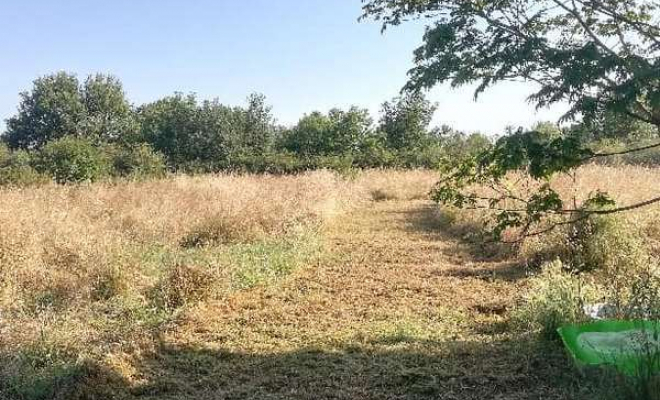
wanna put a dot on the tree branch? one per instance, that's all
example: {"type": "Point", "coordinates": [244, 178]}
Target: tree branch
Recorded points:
{"type": "Point", "coordinates": [623, 152]}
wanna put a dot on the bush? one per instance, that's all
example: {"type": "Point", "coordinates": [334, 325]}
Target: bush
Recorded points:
{"type": "Point", "coordinates": [606, 243]}
{"type": "Point", "coordinates": [72, 159]}
{"type": "Point", "coordinates": [556, 297]}
{"type": "Point", "coordinates": [138, 161]}
{"type": "Point", "coordinates": [600, 243]}
{"type": "Point", "coordinates": [16, 169]}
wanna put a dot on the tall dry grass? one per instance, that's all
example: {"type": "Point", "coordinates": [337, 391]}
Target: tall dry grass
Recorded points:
{"type": "Point", "coordinates": [92, 271]}
{"type": "Point", "coordinates": [625, 184]}
{"type": "Point", "coordinates": [384, 185]}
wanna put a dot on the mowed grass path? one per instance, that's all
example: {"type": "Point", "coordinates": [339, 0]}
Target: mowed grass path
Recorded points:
{"type": "Point", "coordinates": [400, 310]}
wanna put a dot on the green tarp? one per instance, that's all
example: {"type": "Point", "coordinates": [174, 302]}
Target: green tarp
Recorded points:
{"type": "Point", "coordinates": [626, 345]}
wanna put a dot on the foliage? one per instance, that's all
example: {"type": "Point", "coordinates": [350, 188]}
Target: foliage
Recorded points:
{"type": "Point", "coordinates": [610, 126]}
{"type": "Point", "coordinates": [602, 58]}
{"type": "Point", "coordinates": [541, 156]}
{"type": "Point", "coordinates": [170, 126]}
{"type": "Point", "coordinates": [109, 116]}
{"type": "Point", "coordinates": [194, 136]}
{"type": "Point", "coordinates": [405, 120]}
{"type": "Point", "coordinates": [555, 297]}
{"type": "Point", "coordinates": [52, 109]}
{"type": "Point", "coordinates": [258, 131]}
{"type": "Point", "coordinates": [337, 133]}
{"type": "Point", "coordinates": [138, 161]}
{"type": "Point", "coordinates": [457, 145]}
{"type": "Point", "coordinates": [597, 55]}
{"type": "Point", "coordinates": [58, 106]}
{"type": "Point", "coordinates": [206, 136]}
{"type": "Point", "coordinates": [71, 159]}
{"type": "Point", "coordinates": [16, 169]}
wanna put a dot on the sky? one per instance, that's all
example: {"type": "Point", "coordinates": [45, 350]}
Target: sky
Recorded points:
{"type": "Point", "coordinates": [304, 55]}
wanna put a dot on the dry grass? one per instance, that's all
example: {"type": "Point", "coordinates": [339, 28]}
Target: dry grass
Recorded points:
{"type": "Point", "coordinates": [626, 184]}
{"type": "Point", "coordinates": [239, 287]}
{"type": "Point", "coordinates": [91, 271]}
{"type": "Point", "coordinates": [387, 185]}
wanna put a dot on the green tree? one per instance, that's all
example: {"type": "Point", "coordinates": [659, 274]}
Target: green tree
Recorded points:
{"type": "Point", "coordinates": [310, 136]}
{"type": "Point", "coordinates": [170, 126]}
{"type": "Point", "coordinates": [206, 136]}
{"type": "Point", "coordinates": [59, 106]}
{"type": "Point", "coordinates": [349, 129]}
{"type": "Point", "coordinates": [258, 131]}
{"type": "Point", "coordinates": [109, 116]}
{"type": "Point", "coordinates": [337, 133]}
{"type": "Point", "coordinates": [406, 119]}
{"type": "Point", "coordinates": [615, 127]}
{"type": "Point", "coordinates": [597, 56]}
{"type": "Point", "coordinates": [52, 109]}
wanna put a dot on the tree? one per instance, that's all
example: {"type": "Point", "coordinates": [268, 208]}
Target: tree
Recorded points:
{"type": "Point", "coordinates": [310, 135]}
{"type": "Point", "coordinates": [109, 116]}
{"type": "Point", "coordinates": [206, 136]}
{"type": "Point", "coordinates": [52, 109]}
{"type": "Point", "coordinates": [617, 127]}
{"type": "Point", "coordinates": [337, 133]}
{"type": "Point", "coordinates": [171, 126]}
{"type": "Point", "coordinates": [349, 129]}
{"type": "Point", "coordinates": [598, 56]}
{"type": "Point", "coordinates": [59, 106]}
{"type": "Point", "coordinates": [259, 132]}
{"type": "Point", "coordinates": [406, 119]}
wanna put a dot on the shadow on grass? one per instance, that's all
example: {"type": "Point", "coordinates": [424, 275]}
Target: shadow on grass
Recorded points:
{"type": "Point", "coordinates": [470, 238]}
{"type": "Point", "coordinates": [418, 370]}
{"type": "Point", "coordinates": [47, 378]}
{"type": "Point", "coordinates": [403, 369]}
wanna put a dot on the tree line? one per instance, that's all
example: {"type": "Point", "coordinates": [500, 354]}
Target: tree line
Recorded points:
{"type": "Point", "coordinates": [76, 131]}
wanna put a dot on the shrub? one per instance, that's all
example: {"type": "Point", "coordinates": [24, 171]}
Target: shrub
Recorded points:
{"type": "Point", "coordinates": [16, 169]}
{"type": "Point", "coordinates": [373, 153]}
{"type": "Point", "coordinates": [72, 159]}
{"type": "Point", "coordinates": [606, 243]}
{"type": "Point", "coordinates": [138, 161]}
{"type": "Point", "coordinates": [556, 297]}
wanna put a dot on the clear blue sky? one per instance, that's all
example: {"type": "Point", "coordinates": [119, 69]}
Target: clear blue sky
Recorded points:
{"type": "Point", "coordinates": [303, 55]}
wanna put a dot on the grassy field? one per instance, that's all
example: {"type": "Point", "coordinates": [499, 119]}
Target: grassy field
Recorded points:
{"type": "Point", "coordinates": [239, 287]}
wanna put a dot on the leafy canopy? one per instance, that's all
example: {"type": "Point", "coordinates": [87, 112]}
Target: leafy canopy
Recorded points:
{"type": "Point", "coordinates": [596, 55]}
{"type": "Point", "coordinates": [406, 119]}
{"type": "Point", "coordinates": [337, 133]}
{"type": "Point", "coordinates": [601, 57]}
{"type": "Point", "coordinates": [58, 105]}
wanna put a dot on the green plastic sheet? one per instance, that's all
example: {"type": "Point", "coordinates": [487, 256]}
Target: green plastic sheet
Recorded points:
{"type": "Point", "coordinates": [629, 346]}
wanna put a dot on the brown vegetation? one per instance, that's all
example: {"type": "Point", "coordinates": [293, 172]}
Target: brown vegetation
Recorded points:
{"type": "Point", "coordinates": [313, 286]}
